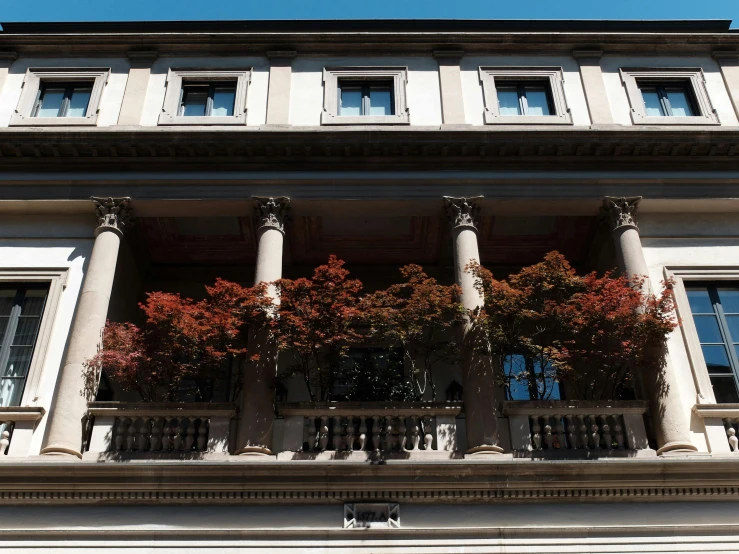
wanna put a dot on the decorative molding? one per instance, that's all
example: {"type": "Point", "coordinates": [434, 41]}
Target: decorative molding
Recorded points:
{"type": "Point", "coordinates": [716, 410]}
{"type": "Point", "coordinates": [594, 55]}
{"type": "Point", "coordinates": [142, 58]}
{"type": "Point", "coordinates": [621, 211]}
{"type": "Point", "coordinates": [463, 212]}
{"type": "Point", "coordinates": [375, 515]}
{"type": "Point", "coordinates": [21, 413]}
{"type": "Point", "coordinates": [272, 213]}
{"type": "Point", "coordinates": [113, 213]}
{"type": "Point", "coordinates": [7, 58]}
{"type": "Point", "coordinates": [157, 409]}
{"type": "Point", "coordinates": [630, 77]}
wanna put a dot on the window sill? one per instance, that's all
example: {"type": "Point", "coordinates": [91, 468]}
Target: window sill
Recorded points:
{"type": "Point", "coordinates": [494, 119]}
{"type": "Point", "coordinates": [328, 119]}
{"type": "Point", "coordinates": [637, 119]}
{"type": "Point", "coordinates": [166, 119]}
{"type": "Point", "coordinates": [20, 121]}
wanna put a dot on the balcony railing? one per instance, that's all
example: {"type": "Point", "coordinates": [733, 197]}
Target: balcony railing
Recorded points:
{"type": "Point", "coordinates": [159, 429]}
{"type": "Point", "coordinates": [349, 429]}
{"type": "Point", "coordinates": [578, 428]}
{"type": "Point", "coordinates": [722, 426]}
{"type": "Point", "coordinates": [16, 429]}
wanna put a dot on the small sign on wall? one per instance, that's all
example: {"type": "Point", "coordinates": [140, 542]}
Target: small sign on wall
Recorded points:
{"type": "Point", "coordinates": [376, 515]}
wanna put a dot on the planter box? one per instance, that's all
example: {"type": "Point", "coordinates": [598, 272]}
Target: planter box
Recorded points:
{"type": "Point", "coordinates": [566, 428]}
{"type": "Point", "coordinates": [167, 430]}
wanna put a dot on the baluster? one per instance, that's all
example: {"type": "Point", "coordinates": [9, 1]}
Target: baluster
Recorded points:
{"type": "Point", "coordinates": [144, 432]}
{"type": "Point", "coordinates": [606, 432]}
{"type": "Point", "coordinates": [376, 433]}
{"type": "Point", "coordinates": [190, 437]}
{"type": "Point", "coordinates": [618, 432]}
{"type": "Point", "coordinates": [415, 435]}
{"type": "Point", "coordinates": [428, 438]}
{"type": "Point", "coordinates": [177, 433]}
{"type": "Point", "coordinates": [548, 438]}
{"type": "Point", "coordinates": [402, 430]}
{"type": "Point", "coordinates": [131, 437]}
{"type": "Point", "coordinates": [323, 441]}
{"type": "Point", "coordinates": [167, 435]}
{"type": "Point", "coordinates": [4, 436]}
{"type": "Point", "coordinates": [338, 435]}
{"type": "Point", "coordinates": [120, 430]}
{"type": "Point", "coordinates": [350, 433]}
{"type": "Point", "coordinates": [312, 433]}
{"type": "Point", "coordinates": [571, 437]}
{"type": "Point", "coordinates": [535, 432]}
{"type": "Point", "coordinates": [559, 430]}
{"type": "Point", "coordinates": [731, 435]}
{"type": "Point", "coordinates": [594, 432]}
{"type": "Point", "coordinates": [362, 432]}
{"type": "Point", "coordinates": [583, 432]}
{"type": "Point", "coordinates": [202, 439]}
{"type": "Point", "coordinates": [155, 443]}
{"type": "Point", "coordinates": [389, 430]}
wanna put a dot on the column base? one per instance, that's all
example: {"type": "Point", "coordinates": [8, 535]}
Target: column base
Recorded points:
{"type": "Point", "coordinates": [61, 451]}
{"type": "Point", "coordinates": [483, 450]}
{"type": "Point", "coordinates": [676, 448]}
{"type": "Point", "coordinates": [254, 451]}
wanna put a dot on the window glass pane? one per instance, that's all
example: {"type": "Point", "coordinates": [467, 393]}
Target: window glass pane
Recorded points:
{"type": "Point", "coordinates": [679, 103]}
{"type": "Point", "coordinates": [33, 302]}
{"type": "Point", "coordinates": [380, 101]}
{"type": "Point", "coordinates": [51, 102]}
{"type": "Point", "coordinates": [508, 103]}
{"type": "Point", "coordinates": [729, 298]}
{"type": "Point", "coordinates": [700, 301]}
{"type": "Point", "coordinates": [7, 299]}
{"type": "Point", "coordinates": [537, 101]}
{"type": "Point", "coordinates": [79, 101]}
{"type": "Point", "coordinates": [708, 330]}
{"type": "Point", "coordinates": [18, 361]}
{"type": "Point", "coordinates": [716, 359]}
{"type": "Point", "coordinates": [25, 331]}
{"type": "Point", "coordinates": [3, 327]}
{"type": "Point", "coordinates": [194, 102]}
{"type": "Point", "coordinates": [11, 391]}
{"type": "Point", "coordinates": [652, 104]}
{"type": "Point", "coordinates": [733, 324]}
{"type": "Point", "coordinates": [350, 102]}
{"type": "Point", "coordinates": [223, 101]}
{"type": "Point", "coordinates": [724, 389]}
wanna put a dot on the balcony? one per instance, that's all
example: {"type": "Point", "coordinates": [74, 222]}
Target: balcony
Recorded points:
{"type": "Point", "coordinates": [16, 429]}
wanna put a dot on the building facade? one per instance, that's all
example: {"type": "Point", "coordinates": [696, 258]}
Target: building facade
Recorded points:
{"type": "Point", "coordinates": [159, 156]}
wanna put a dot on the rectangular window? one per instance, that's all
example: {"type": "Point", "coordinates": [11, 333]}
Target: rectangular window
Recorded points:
{"type": "Point", "coordinates": [21, 309]}
{"type": "Point", "coordinates": [63, 100]}
{"type": "Point", "coordinates": [366, 99]}
{"type": "Point", "coordinates": [525, 98]}
{"type": "Point", "coordinates": [667, 100]}
{"type": "Point", "coordinates": [715, 309]}
{"type": "Point", "coordinates": [207, 99]}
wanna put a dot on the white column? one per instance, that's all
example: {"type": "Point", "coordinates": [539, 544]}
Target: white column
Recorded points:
{"type": "Point", "coordinates": [480, 392]}
{"type": "Point", "coordinates": [68, 412]}
{"type": "Point", "coordinates": [257, 401]}
{"type": "Point", "coordinates": [661, 388]}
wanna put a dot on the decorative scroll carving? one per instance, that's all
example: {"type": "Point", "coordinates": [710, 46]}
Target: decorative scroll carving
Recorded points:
{"type": "Point", "coordinates": [621, 211]}
{"type": "Point", "coordinates": [462, 212]}
{"type": "Point", "coordinates": [113, 213]}
{"type": "Point", "coordinates": [272, 212]}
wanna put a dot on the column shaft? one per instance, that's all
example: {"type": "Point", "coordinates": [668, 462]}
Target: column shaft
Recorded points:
{"type": "Point", "coordinates": [661, 387]}
{"type": "Point", "coordinates": [70, 405]}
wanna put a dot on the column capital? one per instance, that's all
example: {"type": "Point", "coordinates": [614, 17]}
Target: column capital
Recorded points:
{"type": "Point", "coordinates": [272, 212]}
{"type": "Point", "coordinates": [462, 212]}
{"type": "Point", "coordinates": [113, 214]}
{"type": "Point", "coordinates": [620, 211]}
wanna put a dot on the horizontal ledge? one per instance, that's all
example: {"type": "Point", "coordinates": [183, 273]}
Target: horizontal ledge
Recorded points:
{"type": "Point", "coordinates": [370, 408]}
{"type": "Point", "coordinates": [716, 410]}
{"type": "Point", "coordinates": [573, 407]}
{"type": "Point", "coordinates": [21, 413]}
{"type": "Point", "coordinates": [156, 409]}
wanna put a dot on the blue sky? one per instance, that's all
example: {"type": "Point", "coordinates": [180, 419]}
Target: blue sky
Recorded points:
{"type": "Point", "coordinates": [121, 10]}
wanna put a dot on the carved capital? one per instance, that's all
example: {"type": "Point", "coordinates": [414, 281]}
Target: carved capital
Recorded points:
{"type": "Point", "coordinates": [621, 211]}
{"type": "Point", "coordinates": [272, 212]}
{"type": "Point", "coordinates": [462, 212]}
{"type": "Point", "coordinates": [113, 214]}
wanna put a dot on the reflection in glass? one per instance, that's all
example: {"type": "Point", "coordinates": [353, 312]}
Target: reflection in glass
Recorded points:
{"type": "Point", "coordinates": [380, 101]}
{"type": "Point", "coordinates": [716, 358]}
{"type": "Point", "coordinates": [729, 298]}
{"type": "Point", "coordinates": [652, 103]}
{"type": "Point", "coordinates": [223, 101]}
{"type": "Point", "coordinates": [508, 103]}
{"type": "Point", "coordinates": [708, 329]}
{"type": "Point", "coordinates": [700, 301]}
{"type": "Point", "coordinates": [78, 101]}
{"type": "Point", "coordinates": [537, 101]}
{"type": "Point", "coordinates": [351, 101]}
{"type": "Point", "coordinates": [679, 103]}
{"type": "Point", "coordinates": [51, 102]}
{"type": "Point", "coordinates": [724, 389]}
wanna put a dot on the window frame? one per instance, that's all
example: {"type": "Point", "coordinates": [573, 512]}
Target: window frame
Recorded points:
{"type": "Point", "coordinates": [174, 88]}
{"type": "Point", "coordinates": [57, 282]}
{"type": "Point", "coordinates": [691, 78]}
{"type": "Point", "coordinates": [365, 88]}
{"type": "Point", "coordinates": [37, 77]}
{"type": "Point", "coordinates": [212, 86]}
{"type": "Point", "coordinates": [493, 77]}
{"type": "Point", "coordinates": [397, 76]}
{"type": "Point", "coordinates": [66, 99]}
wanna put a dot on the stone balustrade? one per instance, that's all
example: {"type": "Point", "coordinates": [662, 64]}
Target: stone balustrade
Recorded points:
{"type": "Point", "coordinates": [722, 427]}
{"type": "Point", "coordinates": [370, 427]}
{"type": "Point", "coordinates": [159, 429]}
{"type": "Point", "coordinates": [575, 427]}
{"type": "Point", "coordinates": [16, 429]}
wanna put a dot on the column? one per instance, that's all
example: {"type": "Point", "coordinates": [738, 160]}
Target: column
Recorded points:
{"type": "Point", "coordinates": [450, 82]}
{"type": "Point", "coordinates": [480, 393]}
{"type": "Point", "coordinates": [68, 413]}
{"type": "Point", "coordinates": [6, 60]}
{"type": "Point", "coordinates": [257, 401]}
{"type": "Point", "coordinates": [661, 388]}
{"type": "Point", "coordinates": [729, 64]}
{"type": "Point", "coordinates": [280, 80]}
{"type": "Point", "coordinates": [136, 86]}
{"type": "Point", "coordinates": [595, 88]}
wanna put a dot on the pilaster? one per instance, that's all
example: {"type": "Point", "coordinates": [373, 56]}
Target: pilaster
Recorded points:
{"type": "Point", "coordinates": [729, 64]}
{"type": "Point", "coordinates": [6, 60]}
{"type": "Point", "coordinates": [280, 82]}
{"type": "Point", "coordinates": [595, 89]}
{"type": "Point", "coordinates": [136, 87]}
{"type": "Point", "coordinates": [450, 82]}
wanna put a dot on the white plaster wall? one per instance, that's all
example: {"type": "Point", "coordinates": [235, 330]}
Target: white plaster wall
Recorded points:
{"type": "Point", "coordinates": [423, 92]}
{"type": "Point", "coordinates": [48, 243]}
{"type": "Point", "coordinates": [474, 102]}
{"type": "Point", "coordinates": [688, 240]}
{"type": "Point", "coordinates": [256, 94]}
{"type": "Point", "coordinates": [110, 101]}
{"type": "Point", "coordinates": [619, 101]}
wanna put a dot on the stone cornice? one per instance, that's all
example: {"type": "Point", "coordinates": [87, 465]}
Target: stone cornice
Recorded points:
{"type": "Point", "coordinates": [463, 146]}
{"type": "Point", "coordinates": [456, 481]}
